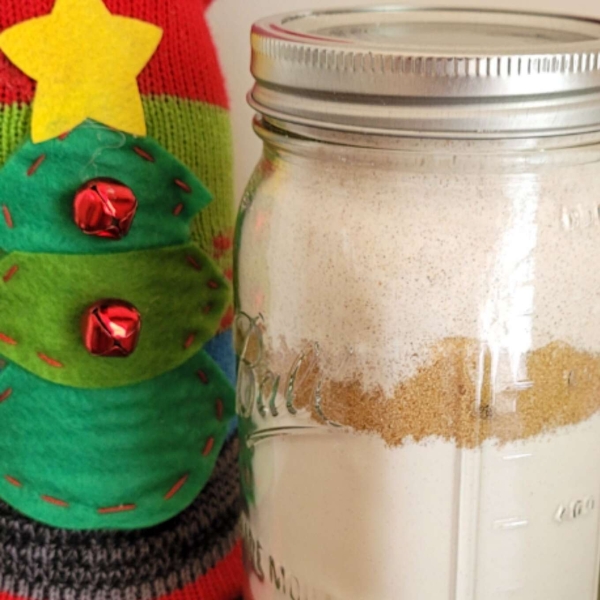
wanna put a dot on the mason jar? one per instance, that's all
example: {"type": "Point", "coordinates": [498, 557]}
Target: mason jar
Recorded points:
{"type": "Point", "coordinates": [418, 307]}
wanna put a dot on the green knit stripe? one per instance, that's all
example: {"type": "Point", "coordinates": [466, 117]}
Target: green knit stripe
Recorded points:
{"type": "Point", "coordinates": [197, 133]}
{"type": "Point", "coordinates": [15, 121]}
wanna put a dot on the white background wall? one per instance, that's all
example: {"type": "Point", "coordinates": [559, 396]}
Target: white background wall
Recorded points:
{"type": "Point", "coordinates": [231, 21]}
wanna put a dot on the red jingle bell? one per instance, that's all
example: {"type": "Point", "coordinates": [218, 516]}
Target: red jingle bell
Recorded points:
{"type": "Point", "coordinates": [111, 328]}
{"type": "Point", "coordinates": [104, 208]}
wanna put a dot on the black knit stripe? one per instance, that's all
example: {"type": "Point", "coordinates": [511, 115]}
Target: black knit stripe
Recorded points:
{"type": "Point", "coordinates": [43, 563]}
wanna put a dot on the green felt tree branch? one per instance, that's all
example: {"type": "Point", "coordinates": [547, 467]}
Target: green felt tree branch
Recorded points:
{"type": "Point", "coordinates": [124, 457]}
{"type": "Point", "coordinates": [179, 292]}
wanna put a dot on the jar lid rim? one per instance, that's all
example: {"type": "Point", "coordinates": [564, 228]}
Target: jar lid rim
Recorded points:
{"type": "Point", "coordinates": [397, 58]}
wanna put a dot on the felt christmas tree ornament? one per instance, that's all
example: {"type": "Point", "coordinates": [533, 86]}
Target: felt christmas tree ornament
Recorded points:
{"type": "Point", "coordinates": [116, 397]}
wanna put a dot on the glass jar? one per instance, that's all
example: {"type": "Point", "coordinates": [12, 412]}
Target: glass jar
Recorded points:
{"type": "Point", "coordinates": [418, 308]}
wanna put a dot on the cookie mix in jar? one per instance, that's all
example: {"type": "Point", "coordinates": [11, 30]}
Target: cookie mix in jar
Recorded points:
{"type": "Point", "coordinates": [418, 307]}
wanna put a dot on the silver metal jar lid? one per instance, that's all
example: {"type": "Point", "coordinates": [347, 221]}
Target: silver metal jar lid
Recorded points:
{"type": "Point", "coordinates": [458, 72]}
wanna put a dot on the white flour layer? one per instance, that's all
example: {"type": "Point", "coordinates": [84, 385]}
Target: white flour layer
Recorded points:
{"type": "Point", "coordinates": [349, 518]}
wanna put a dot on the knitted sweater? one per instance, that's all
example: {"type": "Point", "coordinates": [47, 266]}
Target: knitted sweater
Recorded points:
{"type": "Point", "coordinates": [195, 554]}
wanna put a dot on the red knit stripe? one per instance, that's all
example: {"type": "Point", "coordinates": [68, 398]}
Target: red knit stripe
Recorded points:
{"type": "Point", "coordinates": [224, 582]}
{"type": "Point", "coordinates": [184, 65]}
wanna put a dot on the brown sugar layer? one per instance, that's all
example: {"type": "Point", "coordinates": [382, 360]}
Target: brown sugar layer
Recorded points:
{"type": "Point", "coordinates": [462, 393]}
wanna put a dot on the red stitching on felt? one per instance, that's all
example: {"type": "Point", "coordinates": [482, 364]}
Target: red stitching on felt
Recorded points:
{"type": "Point", "coordinates": [220, 409]}
{"type": "Point", "coordinates": [194, 263]}
{"type": "Point", "coordinates": [210, 444]}
{"type": "Point", "coordinates": [145, 155]}
{"type": "Point", "coordinates": [183, 185]}
{"type": "Point", "coordinates": [229, 274]}
{"type": "Point", "coordinates": [63, 136]}
{"type": "Point", "coordinates": [109, 510]}
{"type": "Point", "coordinates": [5, 395]}
{"type": "Point", "coordinates": [36, 165]}
{"type": "Point", "coordinates": [7, 216]}
{"type": "Point", "coordinates": [189, 341]}
{"type": "Point", "coordinates": [50, 361]}
{"type": "Point", "coordinates": [13, 481]}
{"type": "Point", "coordinates": [177, 210]}
{"type": "Point", "coordinates": [176, 487]}
{"type": "Point", "coordinates": [10, 273]}
{"type": "Point", "coordinates": [203, 377]}
{"type": "Point", "coordinates": [213, 285]}
{"type": "Point", "coordinates": [7, 340]}
{"type": "Point", "coordinates": [55, 501]}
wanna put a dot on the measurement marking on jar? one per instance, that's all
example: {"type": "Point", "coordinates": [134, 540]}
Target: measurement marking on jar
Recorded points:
{"type": "Point", "coordinates": [517, 456]}
{"type": "Point", "coordinates": [574, 510]}
{"type": "Point", "coordinates": [511, 523]}
{"type": "Point", "coordinates": [520, 386]}
{"type": "Point", "coordinates": [580, 217]}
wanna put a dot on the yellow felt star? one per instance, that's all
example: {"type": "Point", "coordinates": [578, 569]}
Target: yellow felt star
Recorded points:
{"type": "Point", "coordinates": [86, 62]}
